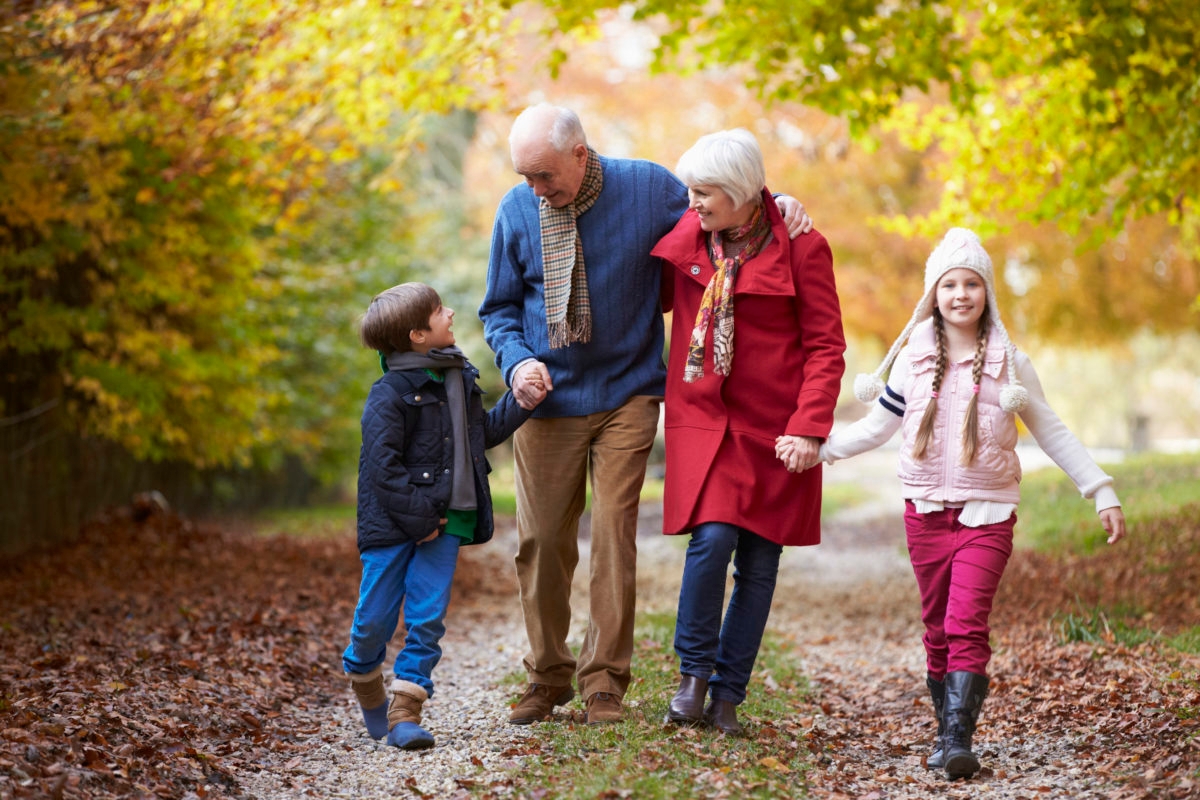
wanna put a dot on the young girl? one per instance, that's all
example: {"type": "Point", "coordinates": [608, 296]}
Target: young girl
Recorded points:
{"type": "Point", "coordinates": [954, 390]}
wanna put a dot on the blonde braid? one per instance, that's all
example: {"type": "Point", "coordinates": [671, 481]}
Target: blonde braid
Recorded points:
{"type": "Point", "coordinates": [925, 430]}
{"type": "Point", "coordinates": [971, 423]}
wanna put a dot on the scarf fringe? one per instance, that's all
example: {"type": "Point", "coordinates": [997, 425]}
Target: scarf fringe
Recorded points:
{"type": "Point", "coordinates": [563, 333]}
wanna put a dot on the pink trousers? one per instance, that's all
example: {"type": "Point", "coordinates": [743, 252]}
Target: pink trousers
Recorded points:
{"type": "Point", "coordinates": [958, 570]}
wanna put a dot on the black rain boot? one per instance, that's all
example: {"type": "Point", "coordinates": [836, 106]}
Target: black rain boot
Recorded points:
{"type": "Point", "coordinates": [937, 693]}
{"type": "Point", "coordinates": [964, 699]}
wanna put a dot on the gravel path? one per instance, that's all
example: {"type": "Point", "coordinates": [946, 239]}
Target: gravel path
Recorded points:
{"type": "Point", "coordinates": [468, 714]}
{"type": "Point", "coordinates": [850, 606]}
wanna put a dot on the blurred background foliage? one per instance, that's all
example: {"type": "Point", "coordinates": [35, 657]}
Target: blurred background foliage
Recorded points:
{"type": "Point", "coordinates": [198, 199]}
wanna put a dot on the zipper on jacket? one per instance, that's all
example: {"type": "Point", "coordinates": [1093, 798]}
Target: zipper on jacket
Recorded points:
{"type": "Point", "coordinates": [950, 461]}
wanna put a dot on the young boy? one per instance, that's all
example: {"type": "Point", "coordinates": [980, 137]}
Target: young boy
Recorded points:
{"type": "Point", "coordinates": [422, 492]}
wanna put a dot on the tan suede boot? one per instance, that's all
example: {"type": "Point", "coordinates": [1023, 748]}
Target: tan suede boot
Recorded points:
{"type": "Point", "coordinates": [372, 697]}
{"type": "Point", "coordinates": [404, 716]}
{"type": "Point", "coordinates": [407, 699]}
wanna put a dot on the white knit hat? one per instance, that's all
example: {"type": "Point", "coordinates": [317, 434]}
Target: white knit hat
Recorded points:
{"type": "Point", "coordinates": [960, 248]}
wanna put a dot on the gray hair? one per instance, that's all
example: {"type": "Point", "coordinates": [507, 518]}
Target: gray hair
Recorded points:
{"type": "Point", "coordinates": [730, 160]}
{"type": "Point", "coordinates": [565, 130]}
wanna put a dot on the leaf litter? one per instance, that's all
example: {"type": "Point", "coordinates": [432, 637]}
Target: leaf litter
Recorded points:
{"type": "Point", "coordinates": [166, 658]}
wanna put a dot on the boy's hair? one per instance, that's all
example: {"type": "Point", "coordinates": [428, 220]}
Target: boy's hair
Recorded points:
{"type": "Point", "coordinates": [396, 312]}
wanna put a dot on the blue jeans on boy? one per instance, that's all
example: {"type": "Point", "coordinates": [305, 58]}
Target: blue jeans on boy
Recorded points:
{"type": "Point", "coordinates": [419, 577]}
{"type": "Point", "coordinates": [724, 654]}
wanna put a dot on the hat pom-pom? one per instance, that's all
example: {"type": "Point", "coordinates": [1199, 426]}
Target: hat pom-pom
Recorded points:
{"type": "Point", "coordinates": [1014, 397]}
{"type": "Point", "coordinates": [867, 387]}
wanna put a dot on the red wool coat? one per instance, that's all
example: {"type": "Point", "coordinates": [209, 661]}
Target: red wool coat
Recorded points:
{"type": "Point", "coordinates": [787, 368]}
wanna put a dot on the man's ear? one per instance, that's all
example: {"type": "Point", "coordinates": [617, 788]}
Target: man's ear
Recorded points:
{"type": "Point", "coordinates": [580, 152]}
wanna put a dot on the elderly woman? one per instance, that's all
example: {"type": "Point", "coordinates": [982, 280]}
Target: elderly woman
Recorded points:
{"type": "Point", "coordinates": [729, 268]}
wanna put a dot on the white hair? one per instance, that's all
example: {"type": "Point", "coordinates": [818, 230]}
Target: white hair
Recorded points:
{"type": "Point", "coordinates": [730, 160]}
{"type": "Point", "coordinates": [565, 130]}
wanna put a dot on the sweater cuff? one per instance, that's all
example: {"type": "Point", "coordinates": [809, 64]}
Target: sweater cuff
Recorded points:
{"type": "Point", "coordinates": [1106, 497]}
{"type": "Point", "coordinates": [513, 372]}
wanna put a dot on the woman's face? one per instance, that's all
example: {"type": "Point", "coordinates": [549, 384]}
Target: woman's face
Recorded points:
{"type": "Point", "coordinates": [716, 209]}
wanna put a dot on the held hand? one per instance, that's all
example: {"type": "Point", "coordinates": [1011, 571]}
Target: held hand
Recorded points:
{"type": "Point", "coordinates": [530, 384]}
{"type": "Point", "coordinates": [431, 536]}
{"type": "Point", "coordinates": [1113, 520]}
{"type": "Point", "coordinates": [798, 453]}
{"type": "Point", "coordinates": [785, 451]}
{"type": "Point", "coordinates": [794, 216]}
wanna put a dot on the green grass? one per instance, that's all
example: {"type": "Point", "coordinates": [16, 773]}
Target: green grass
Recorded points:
{"type": "Point", "coordinates": [1103, 626]}
{"type": "Point", "coordinates": [835, 498]}
{"type": "Point", "coordinates": [644, 758]}
{"type": "Point", "coordinates": [309, 522]}
{"type": "Point", "coordinates": [1053, 517]}
{"type": "Point", "coordinates": [1100, 626]}
{"type": "Point", "coordinates": [504, 499]}
{"type": "Point", "coordinates": [1160, 495]}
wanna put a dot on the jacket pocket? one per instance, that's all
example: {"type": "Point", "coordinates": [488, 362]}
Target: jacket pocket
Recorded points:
{"type": "Point", "coordinates": [422, 474]}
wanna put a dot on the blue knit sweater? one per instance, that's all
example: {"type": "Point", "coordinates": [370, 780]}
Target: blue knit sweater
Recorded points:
{"type": "Point", "coordinates": [638, 205]}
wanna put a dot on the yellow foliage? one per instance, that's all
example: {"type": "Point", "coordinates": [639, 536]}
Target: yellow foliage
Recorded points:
{"type": "Point", "coordinates": [153, 152]}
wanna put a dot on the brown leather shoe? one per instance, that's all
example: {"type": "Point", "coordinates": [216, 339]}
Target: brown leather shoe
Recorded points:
{"type": "Point", "coordinates": [538, 702]}
{"type": "Point", "coordinates": [603, 707]}
{"type": "Point", "coordinates": [687, 706]}
{"type": "Point", "coordinates": [722, 715]}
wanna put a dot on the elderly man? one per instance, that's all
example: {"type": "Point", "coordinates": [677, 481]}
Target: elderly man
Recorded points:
{"type": "Point", "coordinates": [572, 312]}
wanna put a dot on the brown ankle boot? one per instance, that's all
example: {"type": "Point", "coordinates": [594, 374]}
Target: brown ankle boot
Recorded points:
{"type": "Point", "coordinates": [369, 688]}
{"type": "Point", "coordinates": [407, 699]}
{"type": "Point", "coordinates": [687, 706]}
{"type": "Point", "coordinates": [372, 698]}
{"type": "Point", "coordinates": [722, 715]}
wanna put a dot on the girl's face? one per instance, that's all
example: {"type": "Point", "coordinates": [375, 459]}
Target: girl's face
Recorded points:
{"type": "Point", "coordinates": [961, 299]}
{"type": "Point", "coordinates": [716, 209]}
{"type": "Point", "coordinates": [439, 333]}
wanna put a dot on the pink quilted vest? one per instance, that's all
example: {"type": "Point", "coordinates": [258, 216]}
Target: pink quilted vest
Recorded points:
{"type": "Point", "coordinates": [940, 476]}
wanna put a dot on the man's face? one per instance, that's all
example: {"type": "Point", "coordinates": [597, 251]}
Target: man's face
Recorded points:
{"type": "Point", "coordinates": [552, 175]}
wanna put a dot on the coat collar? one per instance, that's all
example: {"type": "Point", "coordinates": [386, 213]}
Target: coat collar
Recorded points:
{"type": "Point", "coordinates": [411, 379]}
{"type": "Point", "coordinates": [685, 248]}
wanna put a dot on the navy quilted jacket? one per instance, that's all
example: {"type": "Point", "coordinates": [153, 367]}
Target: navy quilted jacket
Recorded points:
{"type": "Point", "coordinates": [405, 465]}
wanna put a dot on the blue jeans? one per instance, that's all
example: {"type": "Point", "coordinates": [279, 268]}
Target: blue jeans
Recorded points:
{"type": "Point", "coordinates": [724, 654]}
{"type": "Point", "coordinates": [419, 577]}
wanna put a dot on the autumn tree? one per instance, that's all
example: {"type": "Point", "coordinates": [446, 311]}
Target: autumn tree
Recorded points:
{"type": "Point", "coordinates": [1078, 114]}
{"type": "Point", "coordinates": [170, 176]}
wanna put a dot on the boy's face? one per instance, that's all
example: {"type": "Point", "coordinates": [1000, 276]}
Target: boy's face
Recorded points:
{"type": "Point", "coordinates": [439, 333]}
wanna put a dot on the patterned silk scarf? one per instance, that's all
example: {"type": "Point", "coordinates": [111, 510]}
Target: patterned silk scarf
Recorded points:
{"type": "Point", "coordinates": [716, 306]}
{"type": "Point", "coordinates": [568, 307]}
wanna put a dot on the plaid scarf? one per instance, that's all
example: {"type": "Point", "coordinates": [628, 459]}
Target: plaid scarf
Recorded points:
{"type": "Point", "coordinates": [716, 306]}
{"type": "Point", "coordinates": [568, 307]}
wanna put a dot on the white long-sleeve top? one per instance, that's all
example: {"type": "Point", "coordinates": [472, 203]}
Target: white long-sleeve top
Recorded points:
{"type": "Point", "coordinates": [1049, 431]}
